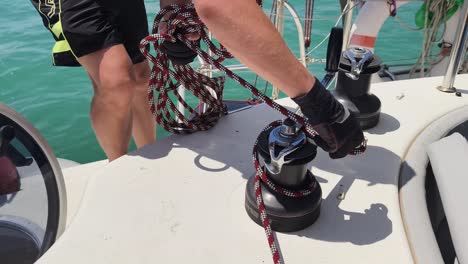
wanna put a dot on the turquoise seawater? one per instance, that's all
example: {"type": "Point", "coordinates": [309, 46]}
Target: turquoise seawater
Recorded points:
{"type": "Point", "coordinates": [56, 100]}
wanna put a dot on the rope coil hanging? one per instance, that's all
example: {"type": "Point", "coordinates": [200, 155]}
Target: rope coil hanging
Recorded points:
{"type": "Point", "coordinates": [165, 81]}
{"type": "Point", "coordinates": [183, 20]}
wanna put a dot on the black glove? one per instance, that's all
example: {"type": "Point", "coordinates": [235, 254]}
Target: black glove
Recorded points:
{"type": "Point", "coordinates": [178, 52]}
{"type": "Point", "coordinates": [339, 131]}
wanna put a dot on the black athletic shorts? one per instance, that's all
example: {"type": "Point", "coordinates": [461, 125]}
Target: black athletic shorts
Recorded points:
{"type": "Point", "coordinates": [91, 25]}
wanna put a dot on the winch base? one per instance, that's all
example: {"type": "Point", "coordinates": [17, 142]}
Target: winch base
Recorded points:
{"type": "Point", "coordinates": [286, 214]}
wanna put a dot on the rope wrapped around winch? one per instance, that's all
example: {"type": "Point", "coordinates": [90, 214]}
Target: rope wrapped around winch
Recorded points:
{"type": "Point", "coordinates": [183, 20]}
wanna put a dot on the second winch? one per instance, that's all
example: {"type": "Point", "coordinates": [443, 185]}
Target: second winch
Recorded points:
{"type": "Point", "coordinates": [356, 67]}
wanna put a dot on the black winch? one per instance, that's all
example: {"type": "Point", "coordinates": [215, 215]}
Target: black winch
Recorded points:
{"type": "Point", "coordinates": [353, 84]}
{"type": "Point", "coordinates": [285, 154]}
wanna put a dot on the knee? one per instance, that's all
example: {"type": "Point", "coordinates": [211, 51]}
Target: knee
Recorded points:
{"type": "Point", "coordinates": [142, 76]}
{"type": "Point", "coordinates": [116, 89]}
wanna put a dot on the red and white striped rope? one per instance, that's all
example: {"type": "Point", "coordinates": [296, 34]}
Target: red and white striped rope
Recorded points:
{"type": "Point", "coordinates": [184, 19]}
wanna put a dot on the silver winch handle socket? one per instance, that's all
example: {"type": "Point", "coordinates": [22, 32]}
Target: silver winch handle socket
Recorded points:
{"type": "Point", "coordinates": [287, 136]}
{"type": "Point", "coordinates": [352, 54]}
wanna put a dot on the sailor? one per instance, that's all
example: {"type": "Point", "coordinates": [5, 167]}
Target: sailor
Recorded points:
{"type": "Point", "coordinates": [243, 28]}
{"type": "Point", "coordinates": [103, 37]}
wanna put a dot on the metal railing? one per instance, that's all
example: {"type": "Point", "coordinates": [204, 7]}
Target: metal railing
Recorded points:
{"type": "Point", "coordinates": [458, 52]}
{"type": "Point", "coordinates": [279, 24]}
{"type": "Point", "coordinates": [347, 24]}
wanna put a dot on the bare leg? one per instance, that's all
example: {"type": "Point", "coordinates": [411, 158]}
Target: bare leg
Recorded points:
{"type": "Point", "coordinates": [111, 72]}
{"type": "Point", "coordinates": [249, 35]}
{"type": "Point", "coordinates": [144, 125]}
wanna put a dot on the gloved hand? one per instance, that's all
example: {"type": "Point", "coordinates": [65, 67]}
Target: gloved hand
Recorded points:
{"type": "Point", "coordinates": [178, 52]}
{"type": "Point", "coordinates": [339, 131]}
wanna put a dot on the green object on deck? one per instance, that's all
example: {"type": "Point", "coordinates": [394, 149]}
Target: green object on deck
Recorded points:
{"type": "Point", "coordinates": [421, 13]}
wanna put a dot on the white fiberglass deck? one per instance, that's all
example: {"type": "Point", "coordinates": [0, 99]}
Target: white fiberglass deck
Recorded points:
{"type": "Point", "coordinates": [182, 199]}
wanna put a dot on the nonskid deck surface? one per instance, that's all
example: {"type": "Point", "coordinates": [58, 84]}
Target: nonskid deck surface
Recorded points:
{"type": "Point", "coordinates": [182, 199]}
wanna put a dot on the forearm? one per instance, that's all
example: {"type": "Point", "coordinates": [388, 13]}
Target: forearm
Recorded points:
{"type": "Point", "coordinates": [249, 35]}
{"type": "Point", "coordinates": [164, 3]}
